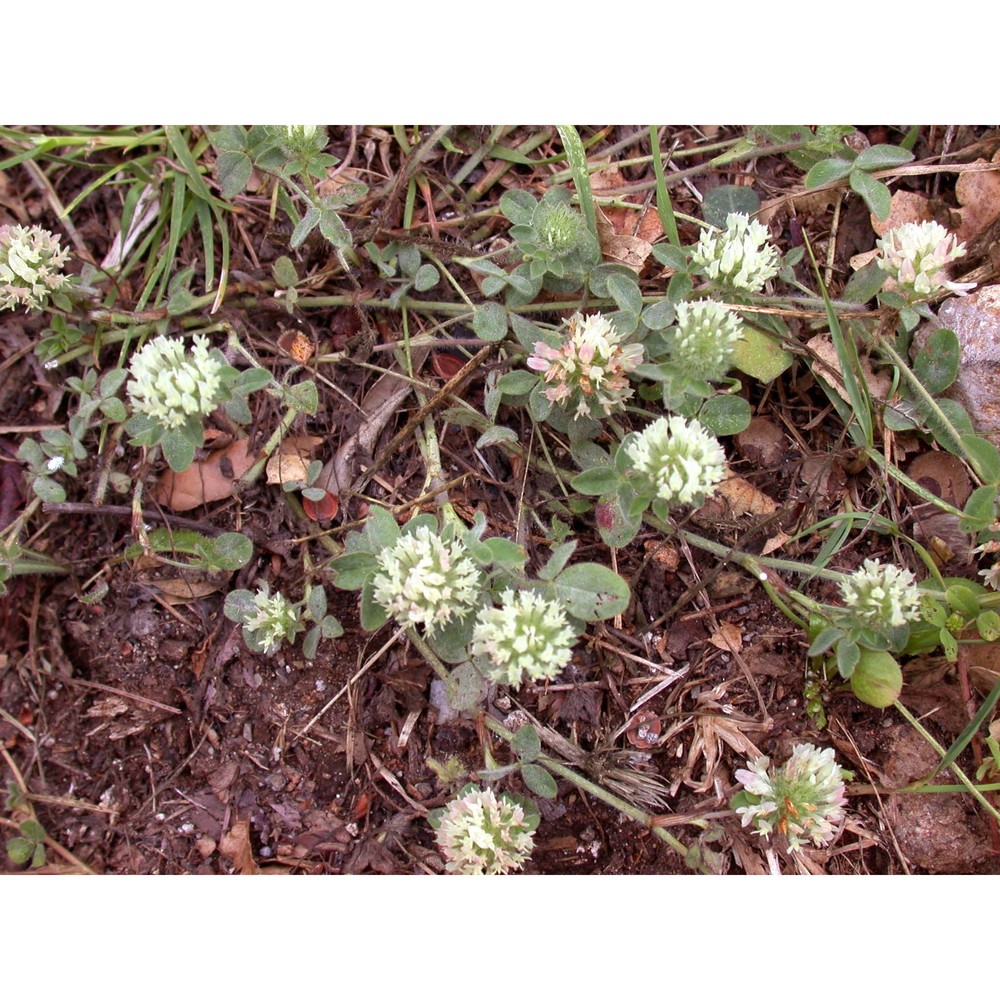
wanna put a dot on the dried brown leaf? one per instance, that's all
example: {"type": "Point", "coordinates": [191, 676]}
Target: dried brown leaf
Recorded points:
{"type": "Point", "coordinates": [205, 481]}
{"type": "Point", "coordinates": [826, 476]}
{"type": "Point", "coordinates": [763, 442]}
{"type": "Point", "coordinates": [774, 543]}
{"type": "Point", "coordinates": [943, 474]}
{"type": "Point", "coordinates": [907, 206]}
{"type": "Point", "coordinates": [621, 248]}
{"type": "Point", "coordinates": [222, 778]}
{"type": "Point", "coordinates": [743, 497]}
{"type": "Point", "coordinates": [829, 370]}
{"type": "Point", "coordinates": [179, 590]}
{"type": "Point", "coordinates": [290, 462]}
{"type": "Point", "coordinates": [235, 845]}
{"type": "Point", "coordinates": [728, 637]}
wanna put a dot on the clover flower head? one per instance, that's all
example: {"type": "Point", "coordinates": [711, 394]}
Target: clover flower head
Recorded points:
{"type": "Point", "coordinates": [171, 385]}
{"type": "Point", "coordinates": [706, 335]}
{"type": "Point", "coordinates": [559, 228]}
{"type": "Point", "coordinates": [480, 834]}
{"type": "Point", "coordinates": [527, 634]}
{"type": "Point", "coordinates": [299, 141]}
{"type": "Point", "coordinates": [301, 133]}
{"type": "Point", "coordinates": [915, 256]}
{"type": "Point", "coordinates": [30, 264]}
{"type": "Point", "coordinates": [740, 258]}
{"type": "Point", "coordinates": [425, 581]}
{"type": "Point", "coordinates": [679, 460]}
{"type": "Point", "coordinates": [803, 800]}
{"type": "Point", "coordinates": [588, 372]}
{"type": "Point", "coordinates": [273, 620]}
{"type": "Point", "coordinates": [882, 595]}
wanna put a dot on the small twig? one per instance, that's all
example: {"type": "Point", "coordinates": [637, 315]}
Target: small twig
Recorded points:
{"type": "Point", "coordinates": [440, 397]}
{"type": "Point", "coordinates": [120, 510]}
{"type": "Point", "coordinates": [27, 733]}
{"type": "Point", "coordinates": [348, 156]}
{"type": "Point", "coordinates": [123, 694]}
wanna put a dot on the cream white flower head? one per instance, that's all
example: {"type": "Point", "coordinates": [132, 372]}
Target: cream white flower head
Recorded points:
{"type": "Point", "coordinates": [587, 374]}
{"type": "Point", "coordinates": [803, 800]}
{"type": "Point", "coordinates": [526, 635]}
{"type": "Point", "coordinates": [915, 255]}
{"type": "Point", "coordinates": [480, 834]}
{"type": "Point", "coordinates": [882, 595]}
{"type": "Point", "coordinates": [174, 386]}
{"type": "Point", "coordinates": [706, 335]}
{"type": "Point", "coordinates": [273, 620]}
{"type": "Point", "coordinates": [678, 460]}
{"type": "Point", "coordinates": [740, 258]}
{"type": "Point", "coordinates": [425, 581]}
{"type": "Point", "coordinates": [31, 260]}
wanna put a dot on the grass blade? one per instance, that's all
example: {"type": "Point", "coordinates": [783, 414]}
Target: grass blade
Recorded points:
{"type": "Point", "coordinates": [850, 365]}
{"type": "Point", "coordinates": [205, 224]}
{"type": "Point", "coordinates": [965, 737]}
{"type": "Point", "coordinates": [663, 203]}
{"type": "Point", "coordinates": [577, 159]}
{"type": "Point", "coordinates": [193, 176]}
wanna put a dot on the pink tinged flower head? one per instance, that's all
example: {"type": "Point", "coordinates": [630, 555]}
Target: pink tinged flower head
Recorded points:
{"type": "Point", "coordinates": [31, 262]}
{"type": "Point", "coordinates": [588, 372]}
{"type": "Point", "coordinates": [916, 255]}
{"type": "Point", "coordinates": [543, 357]}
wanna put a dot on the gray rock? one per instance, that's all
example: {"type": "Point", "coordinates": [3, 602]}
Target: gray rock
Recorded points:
{"type": "Point", "coordinates": [976, 321]}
